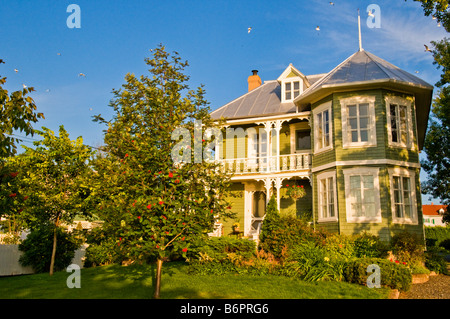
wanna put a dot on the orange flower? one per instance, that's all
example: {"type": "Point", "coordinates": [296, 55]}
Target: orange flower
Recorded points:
{"type": "Point", "coordinates": [149, 206]}
{"type": "Point", "coordinates": [184, 250]}
{"type": "Point", "coordinates": [160, 202]}
{"type": "Point", "coordinates": [170, 175]}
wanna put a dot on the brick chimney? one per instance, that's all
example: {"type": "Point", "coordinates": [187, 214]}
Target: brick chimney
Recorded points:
{"type": "Point", "coordinates": [254, 80]}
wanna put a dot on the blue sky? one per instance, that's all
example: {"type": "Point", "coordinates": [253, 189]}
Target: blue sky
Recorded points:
{"type": "Point", "coordinates": [116, 36]}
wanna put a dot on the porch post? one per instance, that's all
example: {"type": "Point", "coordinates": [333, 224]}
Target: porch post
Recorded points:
{"type": "Point", "coordinates": [278, 124]}
{"type": "Point", "coordinates": [248, 203]}
{"type": "Point", "coordinates": [278, 184]}
{"type": "Point", "coordinates": [268, 186]}
{"type": "Point", "coordinates": [267, 128]}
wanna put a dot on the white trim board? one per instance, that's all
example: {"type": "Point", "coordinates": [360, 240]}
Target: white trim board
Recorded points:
{"type": "Point", "coordinates": [365, 162]}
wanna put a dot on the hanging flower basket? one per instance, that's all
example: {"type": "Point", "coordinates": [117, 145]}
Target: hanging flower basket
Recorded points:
{"type": "Point", "coordinates": [295, 191]}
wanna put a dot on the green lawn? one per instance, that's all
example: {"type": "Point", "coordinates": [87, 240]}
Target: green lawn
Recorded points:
{"type": "Point", "coordinates": [136, 282]}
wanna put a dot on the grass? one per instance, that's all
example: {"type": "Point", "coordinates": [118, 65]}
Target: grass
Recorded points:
{"type": "Point", "coordinates": [136, 282]}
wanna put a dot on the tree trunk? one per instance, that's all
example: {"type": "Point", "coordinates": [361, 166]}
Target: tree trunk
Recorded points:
{"type": "Point", "coordinates": [159, 263]}
{"type": "Point", "coordinates": [52, 260]}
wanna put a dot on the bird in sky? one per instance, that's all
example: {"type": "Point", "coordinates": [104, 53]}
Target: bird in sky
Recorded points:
{"type": "Point", "coordinates": [48, 90]}
{"type": "Point", "coordinates": [370, 13]}
{"type": "Point", "coordinates": [1, 61]}
{"type": "Point", "coordinates": [249, 29]}
{"type": "Point", "coordinates": [82, 74]}
{"type": "Point", "coordinates": [58, 53]}
{"type": "Point", "coordinates": [427, 48]}
{"type": "Point", "coordinates": [24, 86]}
{"type": "Point", "coordinates": [318, 28]}
{"type": "Point", "coordinates": [332, 3]}
{"type": "Point", "coordinates": [15, 70]}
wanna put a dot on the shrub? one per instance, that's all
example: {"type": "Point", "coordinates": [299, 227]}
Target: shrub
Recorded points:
{"type": "Point", "coordinates": [393, 275]}
{"type": "Point", "coordinates": [222, 255]}
{"type": "Point", "coordinates": [311, 262]}
{"type": "Point", "coordinates": [271, 220]}
{"type": "Point", "coordinates": [407, 247]}
{"type": "Point", "coordinates": [286, 234]}
{"type": "Point", "coordinates": [445, 244]}
{"type": "Point", "coordinates": [436, 234]}
{"type": "Point", "coordinates": [220, 247]}
{"type": "Point", "coordinates": [369, 245]}
{"type": "Point", "coordinates": [37, 249]}
{"type": "Point", "coordinates": [435, 261]}
{"type": "Point", "coordinates": [103, 249]}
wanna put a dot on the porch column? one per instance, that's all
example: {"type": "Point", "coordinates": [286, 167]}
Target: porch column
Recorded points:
{"type": "Point", "coordinates": [267, 128]}
{"type": "Point", "coordinates": [278, 184]}
{"type": "Point", "coordinates": [248, 214]}
{"type": "Point", "coordinates": [268, 186]}
{"type": "Point", "coordinates": [277, 125]}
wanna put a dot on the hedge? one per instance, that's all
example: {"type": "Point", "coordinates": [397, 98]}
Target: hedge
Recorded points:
{"type": "Point", "coordinates": [435, 235]}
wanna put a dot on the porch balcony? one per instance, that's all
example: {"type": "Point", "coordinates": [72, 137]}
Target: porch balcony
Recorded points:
{"type": "Point", "coordinates": [268, 164]}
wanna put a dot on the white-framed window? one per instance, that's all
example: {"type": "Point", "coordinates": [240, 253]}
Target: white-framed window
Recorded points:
{"type": "Point", "coordinates": [257, 147]}
{"type": "Point", "coordinates": [323, 128]}
{"type": "Point", "coordinates": [300, 137]}
{"type": "Point", "coordinates": [362, 195]}
{"type": "Point", "coordinates": [399, 122]}
{"type": "Point", "coordinates": [358, 122]}
{"type": "Point", "coordinates": [403, 195]}
{"type": "Point", "coordinates": [326, 183]}
{"type": "Point", "coordinates": [291, 88]}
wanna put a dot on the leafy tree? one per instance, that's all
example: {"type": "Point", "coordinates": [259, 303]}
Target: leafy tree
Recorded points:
{"type": "Point", "coordinates": [152, 204]}
{"type": "Point", "coordinates": [17, 112]}
{"type": "Point", "coordinates": [437, 162]}
{"type": "Point", "coordinates": [53, 174]}
{"type": "Point", "coordinates": [12, 197]}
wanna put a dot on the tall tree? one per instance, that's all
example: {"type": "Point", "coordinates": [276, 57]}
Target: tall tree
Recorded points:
{"type": "Point", "coordinates": [154, 204]}
{"type": "Point", "coordinates": [52, 176]}
{"type": "Point", "coordinates": [17, 113]}
{"type": "Point", "coordinates": [12, 198]}
{"type": "Point", "coordinates": [437, 161]}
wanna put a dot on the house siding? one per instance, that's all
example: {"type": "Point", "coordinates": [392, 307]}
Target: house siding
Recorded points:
{"type": "Point", "coordinates": [382, 151]}
{"type": "Point", "coordinates": [237, 202]}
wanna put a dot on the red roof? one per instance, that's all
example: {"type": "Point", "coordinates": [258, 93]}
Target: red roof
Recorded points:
{"type": "Point", "coordinates": [432, 209]}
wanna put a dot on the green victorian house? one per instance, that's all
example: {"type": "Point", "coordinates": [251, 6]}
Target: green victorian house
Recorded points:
{"type": "Point", "coordinates": [350, 138]}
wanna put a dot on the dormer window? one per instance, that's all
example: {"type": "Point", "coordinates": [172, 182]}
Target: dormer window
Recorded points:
{"type": "Point", "coordinates": [292, 83]}
{"type": "Point", "coordinates": [291, 89]}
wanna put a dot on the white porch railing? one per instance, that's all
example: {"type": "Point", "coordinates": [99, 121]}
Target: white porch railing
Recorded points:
{"type": "Point", "coordinates": [282, 163]}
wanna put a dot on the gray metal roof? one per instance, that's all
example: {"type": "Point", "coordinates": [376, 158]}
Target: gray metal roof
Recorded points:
{"type": "Point", "coordinates": [361, 68]}
{"type": "Point", "coordinates": [263, 101]}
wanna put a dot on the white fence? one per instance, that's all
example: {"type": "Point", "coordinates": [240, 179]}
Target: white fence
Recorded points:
{"type": "Point", "coordinates": [9, 260]}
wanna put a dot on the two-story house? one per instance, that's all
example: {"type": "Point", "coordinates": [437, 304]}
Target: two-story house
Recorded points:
{"type": "Point", "coordinates": [351, 138]}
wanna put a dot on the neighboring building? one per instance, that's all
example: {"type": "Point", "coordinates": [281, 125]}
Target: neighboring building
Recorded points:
{"type": "Point", "coordinates": [350, 137]}
{"type": "Point", "coordinates": [432, 215]}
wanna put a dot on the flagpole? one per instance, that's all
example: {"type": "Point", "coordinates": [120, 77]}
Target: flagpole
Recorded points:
{"type": "Point", "coordinates": [359, 32]}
